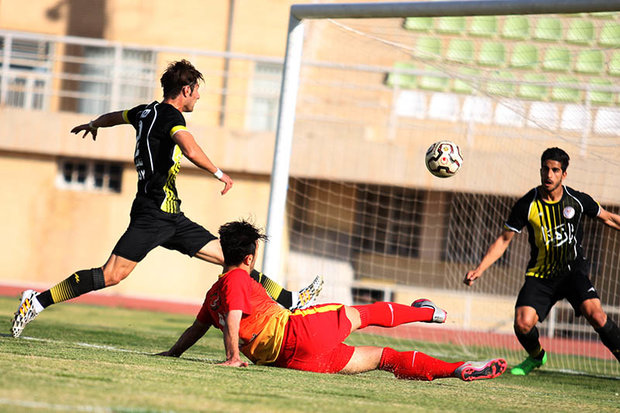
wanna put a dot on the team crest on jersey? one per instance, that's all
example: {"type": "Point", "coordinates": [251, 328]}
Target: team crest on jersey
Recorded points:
{"type": "Point", "coordinates": [568, 212]}
{"type": "Point", "coordinates": [145, 113]}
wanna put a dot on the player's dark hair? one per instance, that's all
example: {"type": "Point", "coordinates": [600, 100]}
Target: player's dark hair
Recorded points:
{"type": "Point", "coordinates": [556, 154]}
{"type": "Point", "coordinates": [179, 74]}
{"type": "Point", "coordinates": [238, 240]}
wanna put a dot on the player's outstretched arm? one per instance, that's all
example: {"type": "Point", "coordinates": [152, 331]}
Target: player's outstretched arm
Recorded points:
{"type": "Point", "coordinates": [187, 339]}
{"type": "Point", "coordinates": [104, 121]}
{"type": "Point", "coordinates": [610, 219]}
{"type": "Point", "coordinates": [495, 251]}
{"type": "Point", "coordinates": [196, 155]}
{"type": "Point", "coordinates": [231, 339]}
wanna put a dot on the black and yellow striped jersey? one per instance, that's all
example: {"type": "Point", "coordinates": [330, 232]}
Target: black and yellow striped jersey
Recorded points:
{"type": "Point", "coordinates": [554, 229]}
{"type": "Point", "coordinates": [157, 156]}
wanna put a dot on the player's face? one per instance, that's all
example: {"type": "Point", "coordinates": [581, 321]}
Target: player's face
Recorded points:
{"type": "Point", "coordinates": [551, 175]}
{"type": "Point", "coordinates": [191, 96]}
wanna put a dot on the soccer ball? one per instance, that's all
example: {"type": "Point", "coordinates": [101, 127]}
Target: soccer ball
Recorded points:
{"type": "Point", "coordinates": [443, 159]}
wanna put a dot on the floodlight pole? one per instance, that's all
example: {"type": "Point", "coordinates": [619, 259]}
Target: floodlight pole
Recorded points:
{"type": "Point", "coordinates": [276, 215]}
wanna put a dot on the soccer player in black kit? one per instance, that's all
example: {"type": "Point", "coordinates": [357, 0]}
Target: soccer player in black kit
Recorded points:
{"type": "Point", "coordinates": [557, 269]}
{"type": "Point", "coordinates": [156, 218]}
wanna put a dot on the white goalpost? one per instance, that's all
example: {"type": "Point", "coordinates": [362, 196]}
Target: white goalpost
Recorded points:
{"type": "Point", "coordinates": [367, 87]}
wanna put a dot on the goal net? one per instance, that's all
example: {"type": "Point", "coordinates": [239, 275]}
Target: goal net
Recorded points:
{"type": "Point", "coordinates": [363, 211]}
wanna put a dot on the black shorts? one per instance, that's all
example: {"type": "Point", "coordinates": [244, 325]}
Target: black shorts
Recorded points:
{"type": "Point", "coordinates": [543, 293]}
{"type": "Point", "coordinates": [151, 227]}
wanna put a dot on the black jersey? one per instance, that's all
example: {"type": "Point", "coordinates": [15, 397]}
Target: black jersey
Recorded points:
{"type": "Point", "coordinates": [157, 156]}
{"type": "Point", "coordinates": [554, 228]}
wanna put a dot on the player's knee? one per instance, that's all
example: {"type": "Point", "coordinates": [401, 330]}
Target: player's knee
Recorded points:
{"type": "Point", "coordinates": [524, 325]}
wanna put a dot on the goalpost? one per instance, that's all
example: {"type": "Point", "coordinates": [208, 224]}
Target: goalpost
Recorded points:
{"type": "Point", "coordinates": [379, 82]}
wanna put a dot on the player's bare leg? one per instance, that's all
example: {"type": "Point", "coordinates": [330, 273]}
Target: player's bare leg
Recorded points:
{"type": "Point", "coordinates": [527, 334]}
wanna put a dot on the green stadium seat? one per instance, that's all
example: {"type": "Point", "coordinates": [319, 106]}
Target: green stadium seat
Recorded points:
{"type": "Point", "coordinates": [601, 97]}
{"type": "Point", "coordinates": [610, 35]}
{"type": "Point", "coordinates": [604, 15]}
{"type": "Point", "coordinates": [428, 48]}
{"type": "Point", "coordinates": [524, 56]}
{"type": "Point", "coordinates": [501, 84]}
{"type": "Point", "coordinates": [557, 59]}
{"type": "Point", "coordinates": [401, 80]}
{"type": "Point", "coordinates": [492, 54]}
{"type": "Point", "coordinates": [418, 24]}
{"type": "Point", "coordinates": [460, 50]}
{"type": "Point", "coordinates": [483, 26]}
{"type": "Point", "coordinates": [562, 92]}
{"type": "Point", "coordinates": [614, 64]}
{"type": "Point", "coordinates": [469, 81]}
{"type": "Point", "coordinates": [437, 83]}
{"type": "Point", "coordinates": [548, 29]}
{"type": "Point", "coordinates": [580, 32]}
{"type": "Point", "coordinates": [516, 27]}
{"type": "Point", "coordinates": [533, 91]}
{"type": "Point", "coordinates": [455, 25]}
{"type": "Point", "coordinates": [590, 61]}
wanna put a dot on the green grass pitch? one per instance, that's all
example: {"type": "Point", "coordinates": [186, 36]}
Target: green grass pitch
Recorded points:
{"type": "Point", "coordinates": [85, 358]}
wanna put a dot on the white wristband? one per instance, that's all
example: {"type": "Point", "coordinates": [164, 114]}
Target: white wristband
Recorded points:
{"type": "Point", "coordinates": [218, 174]}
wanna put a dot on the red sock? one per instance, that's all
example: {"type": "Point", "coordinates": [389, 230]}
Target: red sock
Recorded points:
{"type": "Point", "coordinates": [414, 365]}
{"type": "Point", "coordinates": [386, 314]}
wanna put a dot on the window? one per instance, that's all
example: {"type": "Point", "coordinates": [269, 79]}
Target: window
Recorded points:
{"type": "Point", "coordinates": [86, 175]}
{"type": "Point", "coordinates": [28, 74]}
{"type": "Point", "coordinates": [115, 79]}
{"type": "Point", "coordinates": [264, 96]}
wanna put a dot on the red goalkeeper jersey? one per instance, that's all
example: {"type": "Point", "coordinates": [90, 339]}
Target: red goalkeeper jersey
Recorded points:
{"type": "Point", "coordinates": [263, 323]}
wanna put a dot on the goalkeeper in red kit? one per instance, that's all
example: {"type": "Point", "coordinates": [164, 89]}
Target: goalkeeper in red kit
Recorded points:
{"type": "Point", "coordinates": [311, 339]}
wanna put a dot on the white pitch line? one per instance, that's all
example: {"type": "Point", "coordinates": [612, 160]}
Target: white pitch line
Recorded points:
{"type": "Point", "coordinates": [75, 408]}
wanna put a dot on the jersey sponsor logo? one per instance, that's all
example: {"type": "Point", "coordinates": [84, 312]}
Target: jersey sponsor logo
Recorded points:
{"type": "Point", "coordinates": [559, 235]}
{"type": "Point", "coordinates": [215, 302]}
{"type": "Point", "coordinates": [568, 212]}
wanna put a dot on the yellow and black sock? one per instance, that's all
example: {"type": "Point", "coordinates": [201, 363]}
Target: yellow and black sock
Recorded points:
{"type": "Point", "coordinates": [530, 343]}
{"type": "Point", "coordinates": [275, 290]}
{"type": "Point", "coordinates": [610, 336]}
{"type": "Point", "coordinates": [79, 283]}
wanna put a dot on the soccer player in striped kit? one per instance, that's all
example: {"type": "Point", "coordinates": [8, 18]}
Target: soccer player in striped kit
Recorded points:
{"type": "Point", "coordinates": [553, 214]}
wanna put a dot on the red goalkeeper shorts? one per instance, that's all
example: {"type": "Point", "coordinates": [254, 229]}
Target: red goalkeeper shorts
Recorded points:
{"type": "Point", "coordinates": [313, 340]}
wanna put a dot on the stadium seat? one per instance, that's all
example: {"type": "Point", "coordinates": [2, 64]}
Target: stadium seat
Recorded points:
{"type": "Point", "coordinates": [601, 97]}
{"type": "Point", "coordinates": [610, 35]}
{"type": "Point", "coordinates": [428, 48]}
{"type": "Point", "coordinates": [454, 25]}
{"type": "Point", "coordinates": [533, 91]}
{"type": "Point", "coordinates": [580, 32]}
{"type": "Point", "coordinates": [501, 84]}
{"type": "Point", "coordinates": [604, 15]}
{"type": "Point", "coordinates": [575, 118]}
{"type": "Point", "coordinates": [562, 92]}
{"type": "Point", "coordinates": [524, 56]}
{"type": "Point", "coordinates": [418, 24]}
{"type": "Point", "coordinates": [468, 83]}
{"type": "Point", "coordinates": [411, 104]}
{"type": "Point", "coordinates": [438, 82]}
{"type": "Point", "coordinates": [401, 80]}
{"type": "Point", "coordinates": [444, 106]}
{"type": "Point", "coordinates": [543, 115]}
{"type": "Point", "coordinates": [614, 64]}
{"type": "Point", "coordinates": [483, 26]}
{"type": "Point", "coordinates": [510, 112]}
{"type": "Point", "coordinates": [607, 121]}
{"type": "Point", "coordinates": [590, 61]}
{"type": "Point", "coordinates": [557, 59]}
{"type": "Point", "coordinates": [477, 109]}
{"type": "Point", "coordinates": [548, 29]}
{"type": "Point", "coordinates": [460, 50]}
{"type": "Point", "coordinates": [516, 27]}
{"type": "Point", "coordinates": [492, 54]}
